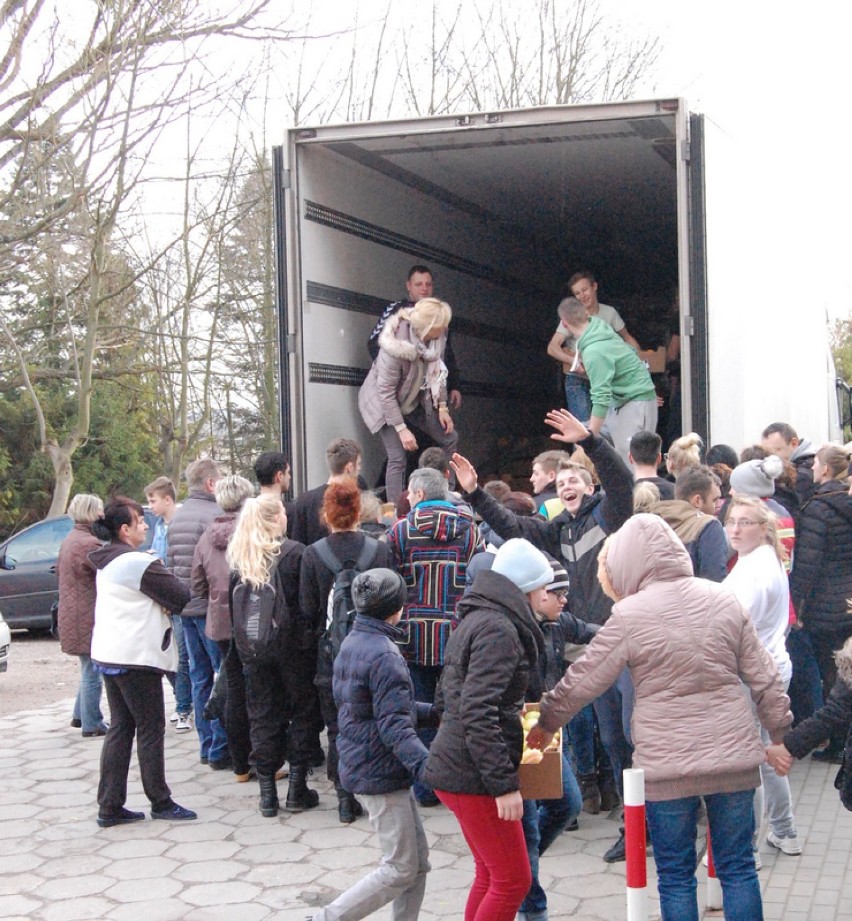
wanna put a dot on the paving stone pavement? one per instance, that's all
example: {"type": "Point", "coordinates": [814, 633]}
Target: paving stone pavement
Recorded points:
{"type": "Point", "coordinates": [234, 865]}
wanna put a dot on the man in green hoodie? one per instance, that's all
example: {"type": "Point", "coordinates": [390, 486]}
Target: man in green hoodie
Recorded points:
{"type": "Point", "coordinates": [623, 397]}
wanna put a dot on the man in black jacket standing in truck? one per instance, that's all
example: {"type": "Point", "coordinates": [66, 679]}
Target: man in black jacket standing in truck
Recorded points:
{"type": "Point", "coordinates": [576, 536]}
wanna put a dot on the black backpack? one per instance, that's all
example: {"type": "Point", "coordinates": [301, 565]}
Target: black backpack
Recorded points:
{"type": "Point", "coordinates": [341, 610]}
{"type": "Point", "coordinates": [257, 617]}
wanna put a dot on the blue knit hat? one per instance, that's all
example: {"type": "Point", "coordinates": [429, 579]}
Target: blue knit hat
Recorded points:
{"type": "Point", "coordinates": [523, 564]}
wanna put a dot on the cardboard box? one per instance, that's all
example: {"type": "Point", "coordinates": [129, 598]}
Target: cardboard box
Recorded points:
{"type": "Point", "coordinates": [655, 359]}
{"type": "Point", "coordinates": [543, 780]}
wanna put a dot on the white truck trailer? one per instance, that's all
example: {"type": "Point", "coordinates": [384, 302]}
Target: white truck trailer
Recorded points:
{"type": "Point", "coordinates": [503, 207]}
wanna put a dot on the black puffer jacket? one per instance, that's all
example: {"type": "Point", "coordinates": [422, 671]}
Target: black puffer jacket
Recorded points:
{"type": "Point", "coordinates": [575, 540]}
{"type": "Point", "coordinates": [821, 581]}
{"type": "Point", "coordinates": [490, 659]}
{"type": "Point", "coordinates": [378, 747]}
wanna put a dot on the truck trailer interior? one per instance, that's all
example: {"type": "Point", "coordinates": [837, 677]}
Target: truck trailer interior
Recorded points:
{"type": "Point", "coordinates": [503, 209]}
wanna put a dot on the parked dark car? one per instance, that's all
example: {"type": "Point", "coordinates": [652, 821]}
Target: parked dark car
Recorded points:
{"type": "Point", "coordinates": [28, 582]}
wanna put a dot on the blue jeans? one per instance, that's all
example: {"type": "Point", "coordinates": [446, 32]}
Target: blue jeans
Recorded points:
{"type": "Point", "coordinates": [578, 399]}
{"type": "Point", "coordinates": [544, 821]}
{"type": "Point", "coordinates": [87, 706]}
{"type": "Point", "coordinates": [425, 681]}
{"type": "Point", "coordinates": [204, 661]}
{"type": "Point", "coordinates": [581, 731]}
{"type": "Point", "coordinates": [673, 825]}
{"type": "Point", "coordinates": [180, 682]}
{"type": "Point", "coordinates": [806, 684]}
{"type": "Point", "coordinates": [614, 709]}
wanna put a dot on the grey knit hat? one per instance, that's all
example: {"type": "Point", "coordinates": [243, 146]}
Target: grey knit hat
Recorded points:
{"type": "Point", "coordinates": [522, 563]}
{"type": "Point", "coordinates": [379, 593]}
{"type": "Point", "coordinates": [757, 477]}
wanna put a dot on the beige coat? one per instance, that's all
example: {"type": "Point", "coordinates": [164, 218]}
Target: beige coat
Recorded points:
{"type": "Point", "coordinates": [396, 375]}
{"type": "Point", "coordinates": [688, 644]}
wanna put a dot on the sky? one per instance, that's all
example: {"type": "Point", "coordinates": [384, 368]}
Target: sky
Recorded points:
{"type": "Point", "coordinates": [776, 82]}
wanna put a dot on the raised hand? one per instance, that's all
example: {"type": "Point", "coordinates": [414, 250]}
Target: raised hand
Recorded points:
{"type": "Point", "coordinates": [464, 471]}
{"type": "Point", "coordinates": [568, 427]}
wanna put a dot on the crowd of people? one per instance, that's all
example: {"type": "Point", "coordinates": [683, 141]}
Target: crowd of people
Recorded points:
{"type": "Point", "coordinates": [686, 614]}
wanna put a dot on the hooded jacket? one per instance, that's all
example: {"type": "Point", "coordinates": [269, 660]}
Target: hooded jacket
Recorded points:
{"type": "Point", "coordinates": [574, 539]}
{"type": "Point", "coordinates": [489, 661]}
{"type": "Point", "coordinates": [77, 590]}
{"type": "Point", "coordinates": [376, 712]}
{"type": "Point", "coordinates": [432, 547]}
{"type": "Point", "coordinates": [689, 644]}
{"type": "Point", "coordinates": [211, 576]}
{"type": "Point", "coordinates": [190, 521]}
{"type": "Point", "coordinates": [397, 375]}
{"type": "Point", "coordinates": [616, 373]}
{"type": "Point", "coordinates": [821, 580]}
{"type": "Point", "coordinates": [135, 592]}
{"type": "Point", "coordinates": [702, 535]}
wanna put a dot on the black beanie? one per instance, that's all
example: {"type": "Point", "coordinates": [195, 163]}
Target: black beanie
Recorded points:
{"type": "Point", "coordinates": [379, 593]}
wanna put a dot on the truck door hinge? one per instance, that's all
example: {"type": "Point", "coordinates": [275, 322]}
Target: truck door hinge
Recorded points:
{"type": "Point", "coordinates": [685, 151]}
{"type": "Point", "coordinates": [689, 325]}
{"type": "Point", "coordinates": [290, 343]}
{"type": "Point", "coordinates": [285, 179]}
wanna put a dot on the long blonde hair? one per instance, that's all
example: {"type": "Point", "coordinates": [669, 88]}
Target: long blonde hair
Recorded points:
{"type": "Point", "coordinates": [256, 540]}
{"type": "Point", "coordinates": [762, 515]}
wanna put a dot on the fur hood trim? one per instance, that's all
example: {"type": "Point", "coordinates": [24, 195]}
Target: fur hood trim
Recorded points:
{"type": "Point", "coordinates": [399, 340]}
{"type": "Point", "coordinates": [843, 657]}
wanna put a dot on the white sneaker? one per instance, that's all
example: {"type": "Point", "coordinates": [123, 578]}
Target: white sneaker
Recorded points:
{"type": "Point", "coordinates": [758, 863]}
{"type": "Point", "coordinates": [790, 846]}
{"type": "Point", "coordinates": [174, 717]}
{"type": "Point", "coordinates": [184, 722]}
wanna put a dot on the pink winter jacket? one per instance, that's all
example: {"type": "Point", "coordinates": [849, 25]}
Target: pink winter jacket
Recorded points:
{"type": "Point", "coordinates": [688, 644]}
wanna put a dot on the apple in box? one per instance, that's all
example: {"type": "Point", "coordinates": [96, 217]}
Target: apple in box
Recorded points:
{"type": "Point", "coordinates": [540, 773]}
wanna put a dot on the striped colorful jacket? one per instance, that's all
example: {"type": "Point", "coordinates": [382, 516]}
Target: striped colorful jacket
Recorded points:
{"type": "Point", "coordinates": [432, 546]}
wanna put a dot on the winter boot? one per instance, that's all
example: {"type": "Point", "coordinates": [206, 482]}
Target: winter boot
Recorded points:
{"type": "Point", "coordinates": [268, 796]}
{"type": "Point", "coordinates": [591, 793]}
{"type": "Point", "coordinates": [299, 796]}
{"type": "Point", "coordinates": [348, 808]}
{"type": "Point", "coordinates": [609, 792]}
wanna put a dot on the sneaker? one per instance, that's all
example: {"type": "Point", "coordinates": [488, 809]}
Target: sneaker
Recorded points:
{"type": "Point", "coordinates": [758, 863]}
{"type": "Point", "coordinates": [183, 722]}
{"type": "Point", "coordinates": [94, 733]}
{"type": "Point", "coordinates": [119, 818]}
{"type": "Point", "coordinates": [174, 717]}
{"type": "Point", "coordinates": [617, 852]}
{"type": "Point", "coordinates": [789, 845]}
{"type": "Point", "coordinates": [173, 813]}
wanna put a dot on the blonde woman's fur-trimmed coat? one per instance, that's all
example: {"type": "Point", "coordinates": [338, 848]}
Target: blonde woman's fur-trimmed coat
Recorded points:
{"type": "Point", "coordinates": [396, 375]}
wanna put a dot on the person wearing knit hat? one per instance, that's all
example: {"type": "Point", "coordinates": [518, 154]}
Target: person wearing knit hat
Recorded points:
{"type": "Point", "coordinates": [379, 593]}
{"type": "Point", "coordinates": [756, 477]}
{"type": "Point", "coordinates": [523, 564]}
{"type": "Point", "coordinates": [491, 659]}
{"type": "Point", "coordinates": [379, 752]}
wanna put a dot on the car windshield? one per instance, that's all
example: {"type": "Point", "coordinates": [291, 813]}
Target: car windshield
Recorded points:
{"type": "Point", "coordinates": [38, 543]}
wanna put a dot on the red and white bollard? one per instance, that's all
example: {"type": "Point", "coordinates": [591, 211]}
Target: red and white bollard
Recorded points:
{"type": "Point", "coordinates": [714, 887]}
{"type": "Point", "coordinates": [634, 844]}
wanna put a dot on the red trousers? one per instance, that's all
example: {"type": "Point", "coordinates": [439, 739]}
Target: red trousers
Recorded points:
{"type": "Point", "coordinates": [500, 854]}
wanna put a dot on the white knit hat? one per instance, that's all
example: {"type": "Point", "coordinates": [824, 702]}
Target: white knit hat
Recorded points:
{"type": "Point", "coordinates": [522, 563]}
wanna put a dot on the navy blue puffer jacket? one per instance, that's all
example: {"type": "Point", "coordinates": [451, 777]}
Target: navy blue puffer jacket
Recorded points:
{"type": "Point", "coordinates": [378, 747]}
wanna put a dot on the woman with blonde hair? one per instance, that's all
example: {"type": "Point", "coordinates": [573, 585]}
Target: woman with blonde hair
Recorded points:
{"type": "Point", "coordinates": [760, 584]}
{"type": "Point", "coordinates": [259, 553]}
{"type": "Point", "coordinates": [76, 576]}
{"type": "Point", "coordinates": [406, 389]}
{"type": "Point", "coordinates": [821, 580]}
{"type": "Point", "coordinates": [684, 452]}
